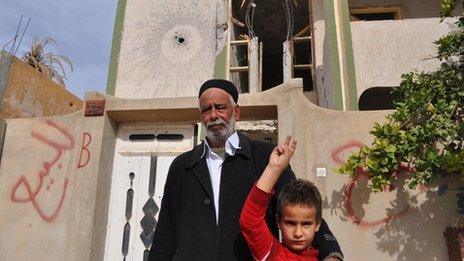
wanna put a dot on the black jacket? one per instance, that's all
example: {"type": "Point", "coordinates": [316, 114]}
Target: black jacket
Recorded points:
{"type": "Point", "coordinates": [187, 229]}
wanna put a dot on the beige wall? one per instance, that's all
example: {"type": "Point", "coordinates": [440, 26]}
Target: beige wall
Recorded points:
{"type": "Point", "coordinates": [49, 177]}
{"type": "Point", "coordinates": [384, 50]}
{"type": "Point", "coordinates": [66, 219]}
{"type": "Point", "coordinates": [358, 217]}
{"type": "Point", "coordinates": [27, 93]}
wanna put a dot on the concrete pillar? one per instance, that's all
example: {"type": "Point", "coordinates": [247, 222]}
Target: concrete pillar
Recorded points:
{"type": "Point", "coordinates": [287, 61]}
{"type": "Point", "coordinates": [253, 65]}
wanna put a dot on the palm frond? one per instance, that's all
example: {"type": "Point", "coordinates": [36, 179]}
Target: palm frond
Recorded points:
{"type": "Point", "coordinates": [49, 64]}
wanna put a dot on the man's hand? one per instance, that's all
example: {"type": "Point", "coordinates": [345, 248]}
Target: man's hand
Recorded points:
{"type": "Point", "coordinates": [278, 161]}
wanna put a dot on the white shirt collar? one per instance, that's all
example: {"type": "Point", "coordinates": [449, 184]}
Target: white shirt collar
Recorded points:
{"type": "Point", "coordinates": [232, 144]}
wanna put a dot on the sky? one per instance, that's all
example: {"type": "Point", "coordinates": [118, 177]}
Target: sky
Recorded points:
{"type": "Point", "coordinates": [82, 29]}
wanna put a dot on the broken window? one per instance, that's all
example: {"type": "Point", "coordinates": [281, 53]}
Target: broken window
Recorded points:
{"type": "Point", "coordinates": [239, 44]}
{"type": "Point", "coordinates": [302, 52]}
{"type": "Point", "coordinates": [375, 13]}
{"type": "Point", "coordinates": [396, 9]}
{"type": "Point", "coordinates": [273, 22]}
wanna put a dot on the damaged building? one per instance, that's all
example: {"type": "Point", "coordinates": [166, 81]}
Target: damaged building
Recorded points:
{"type": "Point", "coordinates": [83, 180]}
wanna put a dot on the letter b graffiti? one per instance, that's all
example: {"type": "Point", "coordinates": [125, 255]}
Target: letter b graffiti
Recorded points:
{"type": "Point", "coordinates": [84, 155]}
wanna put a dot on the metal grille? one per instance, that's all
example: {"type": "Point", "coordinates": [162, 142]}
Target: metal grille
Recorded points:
{"type": "Point", "coordinates": [150, 209]}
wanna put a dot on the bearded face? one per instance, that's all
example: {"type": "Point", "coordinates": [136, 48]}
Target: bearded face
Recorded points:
{"type": "Point", "coordinates": [218, 114]}
{"type": "Point", "coordinates": [219, 131]}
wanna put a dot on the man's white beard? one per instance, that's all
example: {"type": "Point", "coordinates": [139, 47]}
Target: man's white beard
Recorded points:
{"type": "Point", "coordinates": [221, 136]}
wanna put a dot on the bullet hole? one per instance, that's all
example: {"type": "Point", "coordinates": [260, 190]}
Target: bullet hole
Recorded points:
{"type": "Point", "coordinates": [180, 39]}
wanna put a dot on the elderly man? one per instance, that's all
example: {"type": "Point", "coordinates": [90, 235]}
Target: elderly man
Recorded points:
{"type": "Point", "coordinates": [207, 186]}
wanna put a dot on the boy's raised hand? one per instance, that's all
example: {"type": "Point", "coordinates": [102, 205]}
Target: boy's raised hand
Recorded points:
{"type": "Point", "coordinates": [281, 155]}
{"type": "Point", "coordinates": [278, 161]}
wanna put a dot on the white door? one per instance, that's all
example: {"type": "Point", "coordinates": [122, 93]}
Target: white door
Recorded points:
{"type": "Point", "coordinates": [143, 156]}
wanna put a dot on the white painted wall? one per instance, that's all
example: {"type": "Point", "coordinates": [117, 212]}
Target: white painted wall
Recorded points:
{"type": "Point", "coordinates": [152, 62]}
{"type": "Point", "coordinates": [384, 50]}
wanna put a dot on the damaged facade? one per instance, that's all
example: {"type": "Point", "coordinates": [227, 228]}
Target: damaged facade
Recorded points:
{"type": "Point", "coordinates": [93, 181]}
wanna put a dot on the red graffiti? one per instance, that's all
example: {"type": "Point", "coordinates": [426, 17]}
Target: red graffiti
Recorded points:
{"type": "Point", "coordinates": [346, 147]}
{"type": "Point", "coordinates": [32, 193]}
{"type": "Point", "coordinates": [355, 218]}
{"type": "Point", "coordinates": [350, 186]}
{"type": "Point", "coordinates": [86, 139]}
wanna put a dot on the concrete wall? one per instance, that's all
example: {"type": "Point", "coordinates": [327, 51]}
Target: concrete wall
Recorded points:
{"type": "Point", "coordinates": [401, 224]}
{"type": "Point", "coordinates": [384, 50]}
{"type": "Point", "coordinates": [385, 225]}
{"type": "Point", "coordinates": [55, 207]}
{"type": "Point", "coordinates": [49, 177]}
{"type": "Point", "coordinates": [27, 93]}
{"type": "Point", "coordinates": [169, 48]}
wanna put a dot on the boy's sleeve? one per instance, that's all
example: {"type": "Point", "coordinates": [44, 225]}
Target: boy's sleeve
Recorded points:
{"type": "Point", "coordinates": [326, 243]}
{"type": "Point", "coordinates": [253, 224]}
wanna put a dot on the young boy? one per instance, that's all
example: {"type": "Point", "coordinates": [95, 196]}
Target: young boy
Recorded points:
{"type": "Point", "coordinates": [298, 213]}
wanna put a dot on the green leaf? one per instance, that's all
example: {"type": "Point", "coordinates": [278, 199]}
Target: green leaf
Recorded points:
{"type": "Point", "coordinates": [390, 148]}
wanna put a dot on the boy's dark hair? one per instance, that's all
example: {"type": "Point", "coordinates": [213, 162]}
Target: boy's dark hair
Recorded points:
{"type": "Point", "coordinates": [300, 192]}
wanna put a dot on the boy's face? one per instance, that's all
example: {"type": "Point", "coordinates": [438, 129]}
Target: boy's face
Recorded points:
{"type": "Point", "coordinates": [298, 225]}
